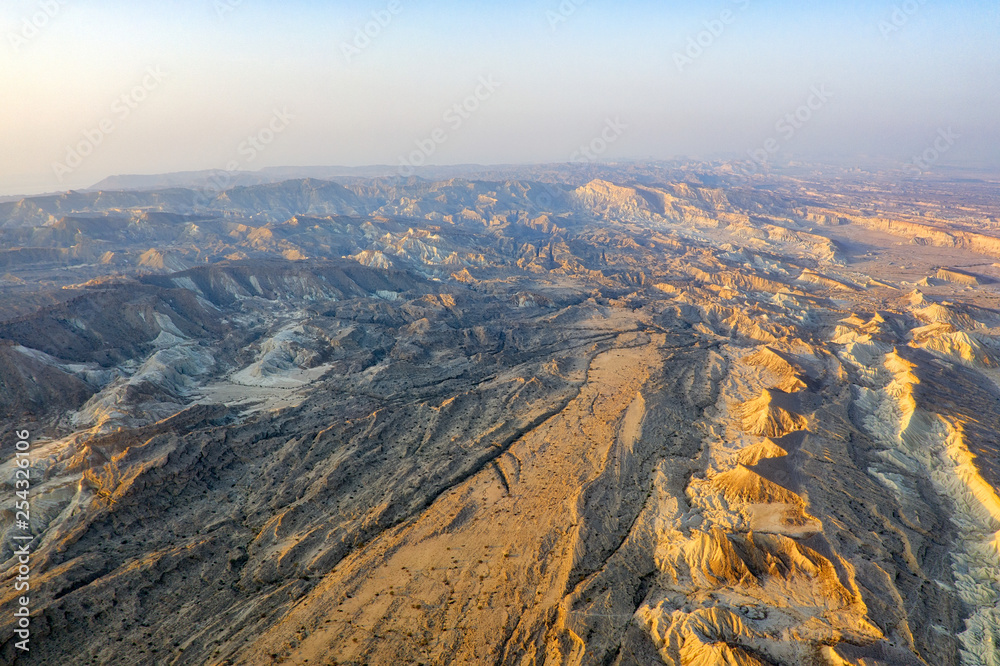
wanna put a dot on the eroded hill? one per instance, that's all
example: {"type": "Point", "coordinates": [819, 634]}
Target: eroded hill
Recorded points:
{"type": "Point", "coordinates": [505, 422]}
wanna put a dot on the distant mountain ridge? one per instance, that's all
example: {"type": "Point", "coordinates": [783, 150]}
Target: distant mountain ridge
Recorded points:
{"type": "Point", "coordinates": [218, 179]}
{"type": "Point", "coordinates": [578, 172]}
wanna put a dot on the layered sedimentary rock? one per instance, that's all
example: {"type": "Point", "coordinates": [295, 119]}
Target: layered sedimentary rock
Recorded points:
{"type": "Point", "coordinates": [506, 422]}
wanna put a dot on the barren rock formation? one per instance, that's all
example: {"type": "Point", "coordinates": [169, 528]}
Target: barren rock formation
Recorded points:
{"type": "Point", "coordinates": [604, 417]}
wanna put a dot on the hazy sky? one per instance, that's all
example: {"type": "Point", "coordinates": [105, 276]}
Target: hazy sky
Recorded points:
{"type": "Point", "coordinates": [100, 87]}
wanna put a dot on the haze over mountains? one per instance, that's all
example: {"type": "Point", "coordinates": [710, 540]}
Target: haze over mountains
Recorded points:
{"type": "Point", "coordinates": [637, 413]}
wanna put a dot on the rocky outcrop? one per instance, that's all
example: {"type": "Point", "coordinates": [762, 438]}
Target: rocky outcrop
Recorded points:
{"type": "Point", "coordinates": [958, 277]}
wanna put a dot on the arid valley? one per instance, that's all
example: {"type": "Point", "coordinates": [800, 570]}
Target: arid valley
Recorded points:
{"type": "Point", "coordinates": [630, 413]}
